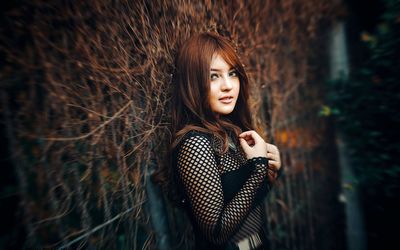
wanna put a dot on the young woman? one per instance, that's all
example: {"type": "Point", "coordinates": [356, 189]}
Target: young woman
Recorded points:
{"type": "Point", "coordinates": [222, 166]}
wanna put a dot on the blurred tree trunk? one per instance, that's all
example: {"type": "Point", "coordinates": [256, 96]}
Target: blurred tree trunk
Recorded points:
{"type": "Point", "coordinates": [339, 70]}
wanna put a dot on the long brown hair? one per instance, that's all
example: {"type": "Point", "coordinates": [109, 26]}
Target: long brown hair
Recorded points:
{"type": "Point", "coordinates": [190, 108]}
{"type": "Point", "coordinates": [191, 83]}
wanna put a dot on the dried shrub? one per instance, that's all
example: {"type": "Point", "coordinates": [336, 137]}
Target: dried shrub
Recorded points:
{"type": "Point", "coordinates": [85, 90]}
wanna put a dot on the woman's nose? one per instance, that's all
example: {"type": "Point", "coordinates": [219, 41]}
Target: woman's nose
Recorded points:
{"type": "Point", "coordinates": [226, 84]}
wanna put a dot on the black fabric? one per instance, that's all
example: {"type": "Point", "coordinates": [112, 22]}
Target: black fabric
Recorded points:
{"type": "Point", "coordinates": [220, 192]}
{"type": "Point", "coordinates": [233, 181]}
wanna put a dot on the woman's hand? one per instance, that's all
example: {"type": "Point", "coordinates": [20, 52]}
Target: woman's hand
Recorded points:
{"type": "Point", "coordinates": [254, 146]}
{"type": "Point", "coordinates": [274, 158]}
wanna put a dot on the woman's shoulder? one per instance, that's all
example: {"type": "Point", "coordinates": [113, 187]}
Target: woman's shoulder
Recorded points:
{"type": "Point", "coordinates": [194, 140]}
{"type": "Point", "coordinates": [203, 140]}
{"type": "Point", "coordinates": [194, 132]}
{"type": "Point", "coordinates": [193, 135]}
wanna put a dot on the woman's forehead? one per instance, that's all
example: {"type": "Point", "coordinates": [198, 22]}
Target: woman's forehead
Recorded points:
{"type": "Point", "coordinates": [219, 62]}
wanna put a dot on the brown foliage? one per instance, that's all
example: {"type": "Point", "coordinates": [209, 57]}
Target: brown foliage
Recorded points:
{"type": "Point", "coordinates": [85, 89]}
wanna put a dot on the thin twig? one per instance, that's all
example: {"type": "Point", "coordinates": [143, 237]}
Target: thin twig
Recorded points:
{"type": "Point", "coordinates": [91, 132]}
{"type": "Point", "coordinates": [85, 235]}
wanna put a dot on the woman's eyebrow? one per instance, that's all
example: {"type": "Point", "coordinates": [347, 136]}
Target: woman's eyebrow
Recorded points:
{"type": "Point", "coordinates": [219, 70]}
{"type": "Point", "coordinates": [216, 70]}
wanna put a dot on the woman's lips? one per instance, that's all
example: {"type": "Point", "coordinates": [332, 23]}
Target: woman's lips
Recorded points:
{"type": "Point", "coordinates": [226, 100]}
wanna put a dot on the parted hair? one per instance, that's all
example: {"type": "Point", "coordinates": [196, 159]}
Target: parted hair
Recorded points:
{"type": "Point", "coordinates": [190, 107]}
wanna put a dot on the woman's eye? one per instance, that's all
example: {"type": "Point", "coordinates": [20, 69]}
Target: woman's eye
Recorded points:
{"type": "Point", "coordinates": [233, 73]}
{"type": "Point", "coordinates": [213, 76]}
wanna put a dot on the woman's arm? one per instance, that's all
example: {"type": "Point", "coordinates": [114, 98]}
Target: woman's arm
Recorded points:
{"type": "Point", "coordinates": [199, 175]}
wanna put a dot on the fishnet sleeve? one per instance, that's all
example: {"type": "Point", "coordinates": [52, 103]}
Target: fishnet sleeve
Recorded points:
{"type": "Point", "coordinates": [198, 172]}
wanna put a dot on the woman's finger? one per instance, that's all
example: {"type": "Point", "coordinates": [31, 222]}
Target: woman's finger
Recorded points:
{"type": "Point", "coordinates": [246, 137]}
{"type": "Point", "coordinates": [274, 164]}
{"type": "Point", "coordinates": [247, 133]}
{"type": "Point", "coordinates": [272, 148]}
{"type": "Point", "coordinates": [244, 144]}
{"type": "Point", "coordinates": [243, 134]}
{"type": "Point", "coordinates": [272, 156]}
{"type": "Point", "coordinates": [256, 137]}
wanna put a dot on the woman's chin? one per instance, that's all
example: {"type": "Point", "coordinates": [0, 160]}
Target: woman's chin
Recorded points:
{"type": "Point", "coordinates": [224, 112]}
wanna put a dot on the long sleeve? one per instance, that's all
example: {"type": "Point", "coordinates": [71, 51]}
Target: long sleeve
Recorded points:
{"type": "Point", "coordinates": [199, 175]}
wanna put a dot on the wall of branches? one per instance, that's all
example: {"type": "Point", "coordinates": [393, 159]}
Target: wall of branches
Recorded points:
{"type": "Point", "coordinates": [85, 88]}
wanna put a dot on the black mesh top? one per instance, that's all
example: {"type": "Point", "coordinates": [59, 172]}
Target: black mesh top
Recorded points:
{"type": "Point", "coordinates": [224, 192]}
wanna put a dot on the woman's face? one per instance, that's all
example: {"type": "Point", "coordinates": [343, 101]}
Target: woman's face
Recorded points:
{"type": "Point", "coordinates": [224, 86]}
